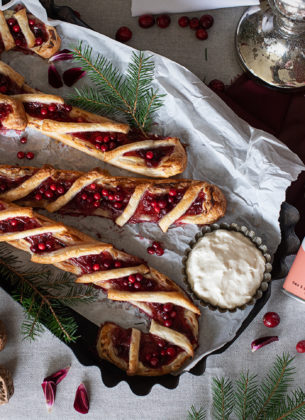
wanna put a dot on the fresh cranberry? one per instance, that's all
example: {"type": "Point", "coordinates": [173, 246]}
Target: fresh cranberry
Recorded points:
{"type": "Point", "coordinates": [172, 192]}
{"type": "Point", "coordinates": [156, 244]}
{"type": "Point", "coordinates": [49, 194]}
{"type": "Point", "coordinates": [104, 147]}
{"type": "Point", "coordinates": [20, 155]}
{"type": "Point", "coordinates": [123, 34]}
{"type": "Point", "coordinates": [92, 186]}
{"type": "Point", "coordinates": [38, 197]}
{"type": "Point", "coordinates": [201, 34]}
{"type": "Point", "coordinates": [11, 21]}
{"type": "Point", "coordinates": [99, 139]}
{"type": "Point", "coordinates": [111, 197]}
{"type": "Point", "coordinates": [84, 196]}
{"type": "Point", "coordinates": [168, 307]}
{"type": "Point", "coordinates": [137, 285]}
{"type": "Point", "coordinates": [271, 319]}
{"type": "Point", "coordinates": [206, 21]}
{"type": "Point", "coordinates": [31, 22]}
{"type": "Point", "coordinates": [163, 21]}
{"type": "Point", "coordinates": [52, 108]}
{"type": "Point", "coordinates": [194, 23]}
{"type": "Point", "coordinates": [171, 352]}
{"type": "Point", "coordinates": [154, 361]}
{"type": "Point", "coordinates": [43, 111]}
{"type": "Point", "coordinates": [139, 277]}
{"type": "Point", "coordinates": [96, 204]}
{"type": "Point", "coordinates": [53, 187]}
{"type": "Point", "coordinates": [183, 21]}
{"type": "Point", "coordinates": [131, 278]}
{"type": "Point", "coordinates": [173, 314]}
{"type": "Point", "coordinates": [117, 264]}
{"type": "Point", "coordinates": [106, 139]}
{"type": "Point", "coordinates": [16, 28]}
{"type": "Point", "coordinates": [97, 196]}
{"type": "Point", "coordinates": [146, 21]}
{"type": "Point", "coordinates": [23, 140]}
{"type": "Point", "coordinates": [38, 41]}
{"type": "Point", "coordinates": [157, 208]}
{"type": "Point", "coordinates": [149, 155]}
{"type": "Point", "coordinates": [159, 252]}
{"type": "Point", "coordinates": [60, 190]}
{"type": "Point", "coordinates": [41, 246]}
{"type": "Point", "coordinates": [163, 352]}
{"type": "Point", "coordinates": [105, 193]}
{"type": "Point", "coordinates": [151, 250]}
{"type": "Point", "coordinates": [162, 204]}
{"type": "Point", "coordinates": [118, 206]}
{"type": "Point", "coordinates": [95, 267]}
{"type": "Point", "coordinates": [30, 155]}
{"type": "Point", "coordinates": [301, 346]}
{"type": "Point", "coordinates": [13, 222]}
{"type": "Point", "coordinates": [119, 197]}
{"type": "Point", "coordinates": [217, 85]}
{"type": "Point", "coordinates": [168, 323]}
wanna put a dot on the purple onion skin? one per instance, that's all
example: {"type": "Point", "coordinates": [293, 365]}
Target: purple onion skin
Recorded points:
{"type": "Point", "coordinates": [61, 56]}
{"type": "Point", "coordinates": [49, 390]}
{"type": "Point", "coordinates": [71, 76]}
{"type": "Point", "coordinates": [54, 77]}
{"type": "Point", "coordinates": [81, 402]}
{"type": "Point", "coordinates": [263, 341]}
{"type": "Point", "coordinates": [58, 376]}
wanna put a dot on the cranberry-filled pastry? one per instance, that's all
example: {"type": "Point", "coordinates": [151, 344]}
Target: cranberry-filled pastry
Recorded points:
{"type": "Point", "coordinates": [20, 29]}
{"type": "Point", "coordinates": [12, 114]}
{"type": "Point", "coordinates": [124, 200]}
{"type": "Point", "coordinates": [173, 333]}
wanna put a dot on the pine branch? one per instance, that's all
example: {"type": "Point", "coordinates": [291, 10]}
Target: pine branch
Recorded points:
{"type": "Point", "coordinates": [274, 388]}
{"type": "Point", "coordinates": [223, 398]}
{"type": "Point", "coordinates": [43, 302]}
{"type": "Point", "coordinates": [245, 396]}
{"type": "Point", "coordinates": [193, 414]}
{"type": "Point", "coordinates": [130, 96]}
{"type": "Point", "coordinates": [293, 408]}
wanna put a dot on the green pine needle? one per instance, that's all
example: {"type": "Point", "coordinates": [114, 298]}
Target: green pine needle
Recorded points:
{"type": "Point", "coordinates": [193, 414]}
{"type": "Point", "coordinates": [43, 301]}
{"type": "Point", "coordinates": [245, 396]}
{"type": "Point", "coordinates": [223, 398]}
{"type": "Point", "coordinates": [130, 96]}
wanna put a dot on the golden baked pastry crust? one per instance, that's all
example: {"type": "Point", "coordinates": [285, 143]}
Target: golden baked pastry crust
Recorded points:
{"type": "Point", "coordinates": [16, 118]}
{"type": "Point", "coordinates": [213, 204]}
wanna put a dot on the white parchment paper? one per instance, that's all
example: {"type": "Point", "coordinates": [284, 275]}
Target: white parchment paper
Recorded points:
{"type": "Point", "coordinates": [252, 168]}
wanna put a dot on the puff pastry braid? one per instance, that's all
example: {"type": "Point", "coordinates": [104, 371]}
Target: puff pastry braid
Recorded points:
{"type": "Point", "coordinates": [20, 29]}
{"type": "Point", "coordinates": [12, 114]}
{"type": "Point", "coordinates": [124, 200]}
{"type": "Point", "coordinates": [124, 278]}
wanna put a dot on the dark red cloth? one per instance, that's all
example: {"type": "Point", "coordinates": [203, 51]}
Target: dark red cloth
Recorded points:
{"type": "Point", "coordinates": [279, 113]}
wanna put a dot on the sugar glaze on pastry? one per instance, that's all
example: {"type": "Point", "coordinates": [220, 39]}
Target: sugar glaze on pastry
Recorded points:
{"type": "Point", "coordinates": [225, 268]}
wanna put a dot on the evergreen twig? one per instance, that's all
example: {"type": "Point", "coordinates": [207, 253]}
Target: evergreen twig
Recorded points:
{"type": "Point", "coordinates": [193, 414]}
{"type": "Point", "coordinates": [43, 301]}
{"type": "Point", "coordinates": [131, 96]}
{"type": "Point", "coordinates": [245, 396]}
{"type": "Point", "coordinates": [223, 398]}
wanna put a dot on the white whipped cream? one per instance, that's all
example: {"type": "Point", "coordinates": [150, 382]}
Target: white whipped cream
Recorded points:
{"type": "Point", "coordinates": [225, 268]}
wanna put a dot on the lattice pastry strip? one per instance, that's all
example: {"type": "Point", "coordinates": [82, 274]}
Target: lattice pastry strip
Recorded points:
{"type": "Point", "coordinates": [11, 82]}
{"type": "Point", "coordinates": [23, 30]}
{"type": "Point", "coordinates": [107, 140]}
{"type": "Point", "coordinates": [123, 276]}
{"type": "Point", "coordinates": [122, 199]}
{"type": "Point", "coordinates": [12, 114]}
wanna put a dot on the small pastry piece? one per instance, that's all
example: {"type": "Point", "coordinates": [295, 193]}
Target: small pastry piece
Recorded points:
{"type": "Point", "coordinates": [20, 29]}
{"type": "Point", "coordinates": [6, 385]}
{"type": "Point", "coordinates": [103, 138]}
{"type": "Point", "coordinates": [12, 114]}
{"type": "Point", "coordinates": [123, 276]}
{"type": "Point", "coordinates": [124, 200]}
{"type": "Point", "coordinates": [11, 82]}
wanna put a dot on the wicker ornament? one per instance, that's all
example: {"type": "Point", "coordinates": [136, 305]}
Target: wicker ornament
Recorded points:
{"type": "Point", "coordinates": [3, 336]}
{"type": "Point", "coordinates": [6, 385]}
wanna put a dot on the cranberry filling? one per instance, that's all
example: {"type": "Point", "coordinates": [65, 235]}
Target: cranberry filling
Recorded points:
{"type": "Point", "coordinates": [18, 224]}
{"type": "Point", "coordinates": [196, 207]}
{"type": "Point", "coordinates": [50, 189]}
{"type": "Point", "coordinates": [156, 206]}
{"type": "Point", "coordinates": [53, 111]}
{"type": "Point", "coordinates": [171, 316]}
{"type": "Point", "coordinates": [121, 341]}
{"type": "Point", "coordinates": [8, 86]}
{"type": "Point", "coordinates": [135, 282]}
{"type": "Point", "coordinates": [7, 184]}
{"type": "Point", "coordinates": [101, 262]}
{"type": "Point", "coordinates": [5, 110]}
{"type": "Point", "coordinates": [16, 33]}
{"type": "Point", "coordinates": [156, 352]}
{"type": "Point", "coordinates": [44, 243]}
{"type": "Point", "coordinates": [39, 30]}
{"type": "Point", "coordinates": [112, 201]}
{"type": "Point", "coordinates": [152, 157]}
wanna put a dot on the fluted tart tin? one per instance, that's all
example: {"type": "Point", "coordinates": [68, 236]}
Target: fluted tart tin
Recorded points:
{"type": "Point", "coordinates": [262, 285]}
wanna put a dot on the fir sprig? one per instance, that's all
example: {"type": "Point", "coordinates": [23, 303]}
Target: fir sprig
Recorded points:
{"type": "Point", "coordinates": [193, 414]}
{"type": "Point", "coordinates": [130, 96]}
{"type": "Point", "coordinates": [43, 301]}
{"type": "Point", "coordinates": [252, 401]}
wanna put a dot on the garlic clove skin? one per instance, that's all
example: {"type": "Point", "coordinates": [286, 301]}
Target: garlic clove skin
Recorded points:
{"type": "Point", "coordinates": [263, 341]}
{"type": "Point", "coordinates": [6, 385]}
{"type": "Point", "coordinates": [3, 336]}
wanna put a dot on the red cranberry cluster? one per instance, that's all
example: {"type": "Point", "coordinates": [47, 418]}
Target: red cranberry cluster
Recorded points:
{"type": "Point", "coordinates": [21, 154]}
{"type": "Point", "coordinates": [50, 191]}
{"type": "Point", "coordinates": [156, 248]}
{"type": "Point", "coordinates": [137, 282]}
{"type": "Point", "coordinates": [18, 35]}
{"type": "Point", "coordinates": [161, 354]}
{"type": "Point", "coordinates": [168, 313]}
{"type": "Point", "coordinates": [199, 25]}
{"type": "Point", "coordinates": [106, 141]}
{"type": "Point", "coordinates": [163, 204]}
{"type": "Point", "coordinates": [92, 196]}
{"type": "Point", "coordinates": [44, 244]}
{"type": "Point", "coordinates": [146, 21]}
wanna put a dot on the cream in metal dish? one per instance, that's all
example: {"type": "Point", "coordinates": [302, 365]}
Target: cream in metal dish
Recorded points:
{"type": "Point", "coordinates": [225, 268]}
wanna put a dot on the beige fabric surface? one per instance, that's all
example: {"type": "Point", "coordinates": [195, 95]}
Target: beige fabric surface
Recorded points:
{"type": "Point", "coordinates": [31, 362]}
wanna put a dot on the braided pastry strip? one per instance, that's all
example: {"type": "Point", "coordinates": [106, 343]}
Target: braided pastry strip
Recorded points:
{"type": "Point", "coordinates": [12, 114]}
{"type": "Point", "coordinates": [133, 200]}
{"type": "Point", "coordinates": [23, 30]}
{"type": "Point", "coordinates": [122, 276]}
